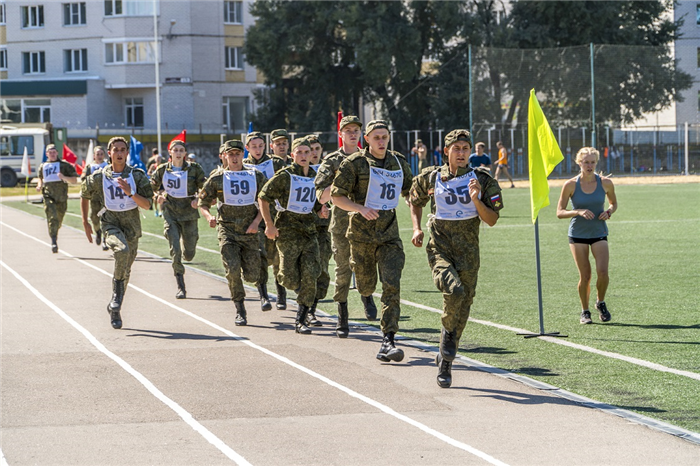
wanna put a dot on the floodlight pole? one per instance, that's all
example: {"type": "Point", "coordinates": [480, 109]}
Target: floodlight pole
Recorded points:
{"type": "Point", "coordinates": [539, 291]}
{"type": "Point", "coordinates": [157, 57]}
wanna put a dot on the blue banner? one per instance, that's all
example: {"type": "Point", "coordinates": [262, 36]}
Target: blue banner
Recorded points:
{"type": "Point", "coordinates": [134, 159]}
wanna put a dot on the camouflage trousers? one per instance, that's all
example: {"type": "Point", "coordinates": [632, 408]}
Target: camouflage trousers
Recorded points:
{"type": "Point", "coordinates": [299, 264]}
{"type": "Point", "coordinates": [268, 256]}
{"type": "Point", "coordinates": [124, 250]}
{"type": "Point", "coordinates": [325, 253]}
{"type": "Point", "coordinates": [455, 276]}
{"type": "Point", "coordinates": [55, 211]}
{"type": "Point", "coordinates": [343, 272]}
{"type": "Point", "coordinates": [95, 207]}
{"type": "Point", "coordinates": [182, 236]}
{"type": "Point", "coordinates": [240, 255]}
{"type": "Point", "coordinates": [389, 258]}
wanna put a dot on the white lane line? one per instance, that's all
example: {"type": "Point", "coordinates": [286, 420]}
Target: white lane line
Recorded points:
{"type": "Point", "coordinates": [386, 409]}
{"type": "Point", "coordinates": [186, 416]}
{"type": "Point", "coordinates": [558, 341]}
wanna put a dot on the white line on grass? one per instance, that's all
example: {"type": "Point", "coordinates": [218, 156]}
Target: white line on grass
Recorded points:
{"type": "Point", "coordinates": [179, 410]}
{"type": "Point", "coordinates": [381, 407]}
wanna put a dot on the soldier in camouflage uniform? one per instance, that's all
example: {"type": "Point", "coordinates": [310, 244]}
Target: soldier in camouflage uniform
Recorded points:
{"type": "Point", "coordinates": [54, 174]}
{"type": "Point", "coordinates": [368, 184]}
{"type": "Point", "coordinates": [237, 221]}
{"type": "Point", "coordinates": [177, 184]}
{"type": "Point", "coordinates": [324, 238]}
{"type": "Point", "coordinates": [349, 133]}
{"type": "Point", "coordinates": [121, 189]}
{"type": "Point", "coordinates": [461, 197]}
{"type": "Point", "coordinates": [292, 189]}
{"type": "Point", "coordinates": [98, 163]}
{"type": "Point", "coordinates": [268, 166]}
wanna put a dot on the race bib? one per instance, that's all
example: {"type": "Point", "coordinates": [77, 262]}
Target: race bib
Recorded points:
{"type": "Point", "coordinates": [452, 201]}
{"type": "Point", "coordinates": [51, 170]}
{"type": "Point", "coordinates": [384, 188]}
{"type": "Point", "coordinates": [302, 195]}
{"type": "Point", "coordinates": [116, 199]}
{"type": "Point", "coordinates": [97, 166]}
{"type": "Point", "coordinates": [239, 187]}
{"type": "Point", "coordinates": [266, 168]}
{"type": "Point", "coordinates": [175, 183]}
{"type": "Point", "coordinates": [315, 167]}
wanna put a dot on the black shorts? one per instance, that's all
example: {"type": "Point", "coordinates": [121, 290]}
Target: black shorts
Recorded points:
{"type": "Point", "coordinates": [573, 240]}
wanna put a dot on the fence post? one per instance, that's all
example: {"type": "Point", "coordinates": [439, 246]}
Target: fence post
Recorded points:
{"type": "Point", "coordinates": [686, 148]}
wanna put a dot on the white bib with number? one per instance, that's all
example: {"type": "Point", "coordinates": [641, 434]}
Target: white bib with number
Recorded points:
{"type": "Point", "coordinates": [116, 199]}
{"type": "Point", "coordinates": [266, 168]}
{"type": "Point", "coordinates": [175, 183]}
{"type": "Point", "coordinates": [94, 167]}
{"type": "Point", "coordinates": [51, 170]}
{"type": "Point", "coordinates": [452, 201]}
{"type": "Point", "coordinates": [315, 167]}
{"type": "Point", "coordinates": [302, 195]}
{"type": "Point", "coordinates": [239, 187]}
{"type": "Point", "coordinates": [384, 188]}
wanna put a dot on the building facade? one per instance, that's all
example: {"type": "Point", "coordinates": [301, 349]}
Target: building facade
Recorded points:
{"type": "Point", "coordinates": [687, 50]}
{"type": "Point", "coordinates": [92, 64]}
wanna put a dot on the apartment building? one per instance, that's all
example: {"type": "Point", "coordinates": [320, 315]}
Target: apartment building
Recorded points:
{"type": "Point", "coordinates": [89, 64]}
{"type": "Point", "coordinates": [687, 50]}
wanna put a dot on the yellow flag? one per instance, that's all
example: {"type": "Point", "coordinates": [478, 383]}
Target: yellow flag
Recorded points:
{"type": "Point", "coordinates": [543, 153]}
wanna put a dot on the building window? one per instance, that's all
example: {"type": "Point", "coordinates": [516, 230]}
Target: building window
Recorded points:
{"type": "Point", "coordinates": [2, 12]}
{"type": "Point", "coordinates": [36, 110]}
{"type": "Point", "coordinates": [130, 7]}
{"type": "Point", "coordinates": [234, 58]}
{"type": "Point", "coordinates": [33, 16]}
{"type": "Point", "coordinates": [134, 112]}
{"type": "Point", "coordinates": [74, 14]}
{"type": "Point", "coordinates": [233, 12]}
{"type": "Point", "coordinates": [130, 52]}
{"type": "Point", "coordinates": [33, 62]}
{"type": "Point", "coordinates": [3, 58]}
{"type": "Point", "coordinates": [235, 113]}
{"type": "Point", "coordinates": [75, 60]}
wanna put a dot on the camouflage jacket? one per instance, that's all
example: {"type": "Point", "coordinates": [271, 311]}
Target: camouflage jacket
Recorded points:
{"type": "Point", "coordinates": [180, 208]}
{"type": "Point", "coordinates": [352, 181]}
{"type": "Point", "coordinates": [236, 218]}
{"type": "Point", "coordinates": [277, 189]}
{"type": "Point", "coordinates": [454, 235]}
{"type": "Point", "coordinates": [326, 173]}
{"type": "Point", "coordinates": [57, 190]}
{"type": "Point", "coordinates": [128, 221]}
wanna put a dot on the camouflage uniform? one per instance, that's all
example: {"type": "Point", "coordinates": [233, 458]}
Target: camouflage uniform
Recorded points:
{"type": "Point", "coordinates": [338, 227]}
{"type": "Point", "coordinates": [55, 196]}
{"type": "Point", "coordinates": [94, 203]}
{"type": "Point", "coordinates": [122, 229]}
{"type": "Point", "coordinates": [453, 247]}
{"type": "Point", "coordinates": [179, 218]}
{"type": "Point", "coordinates": [374, 243]}
{"type": "Point", "coordinates": [240, 251]}
{"type": "Point", "coordinates": [325, 253]}
{"type": "Point", "coordinates": [267, 245]}
{"type": "Point", "coordinates": [297, 241]}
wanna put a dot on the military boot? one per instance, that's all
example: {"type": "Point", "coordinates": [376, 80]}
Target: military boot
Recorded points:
{"type": "Point", "coordinates": [448, 345]}
{"type": "Point", "coordinates": [389, 351]}
{"type": "Point", "coordinates": [115, 305]}
{"type": "Point", "coordinates": [240, 313]}
{"type": "Point", "coordinates": [444, 377]}
{"type": "Point", "coordinates": [54, 246]}
{"type": "Point", "coordinates": [264, 298]}
{"type": "Point", "coordinates": [311, 319]}
{"type": "Point", "coordinates": [98, 237]}
{"type": "Point", "coordinates": [181, 292]}
{"type": "Point", "coordinates": [300, 323]}
{"type": "Point", "coordinates": [342, 328]}
{"type": "Point", "coordinates": [281, 297]}
{"type": "Point", "coordinates": [370, 308]}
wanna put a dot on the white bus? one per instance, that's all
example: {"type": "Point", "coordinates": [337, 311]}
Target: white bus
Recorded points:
{"type": "Point", "coordinates": [13, 140]}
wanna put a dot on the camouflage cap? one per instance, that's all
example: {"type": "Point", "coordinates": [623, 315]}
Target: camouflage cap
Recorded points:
{"type": "Point", "coordinates": [349, 120]}
{"type": "Point", "coordinates": [279, 133]}
{"type": "Point", "coordinates": [313, 139]}
{"type": "Point", "coordinates": [458, 135]}
{"type": "Point", "coordinates": [230, 145]}
{"type": "Point", "coordinates": [301, 142]}
{"type": "Point", "coordinates": [51, 146]}
{"type": "Point", "coordinates": [253, 135]}
{"type": "Point", "coordinates": [376, 124]}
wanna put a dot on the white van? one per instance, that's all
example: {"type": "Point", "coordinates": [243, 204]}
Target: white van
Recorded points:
{"type": "Point", "coordinates": [13, 140]}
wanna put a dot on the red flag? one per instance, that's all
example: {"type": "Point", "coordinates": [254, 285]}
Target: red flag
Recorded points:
{"type": "Point", "coordinates": [605, 154]}
{"type": "Point", "coordinates": [340, 140]}
{"type": "Point", "coordinates": [70, 157]}
{"type": "Point", "coordinates": [180, 137]}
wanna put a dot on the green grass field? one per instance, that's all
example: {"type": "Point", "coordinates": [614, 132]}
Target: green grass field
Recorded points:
{"type": "Point", "coordinates": [653, 297]}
